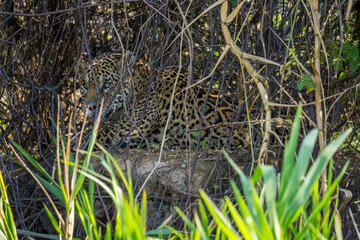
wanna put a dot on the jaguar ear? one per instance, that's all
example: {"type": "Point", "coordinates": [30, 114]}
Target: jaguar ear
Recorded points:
{"type": "Point", "coordinates": [82, 63]}
{"type": "Point", "coordinates": [81, 66]}
{"type": "Point", "coordinates": [117, 59]}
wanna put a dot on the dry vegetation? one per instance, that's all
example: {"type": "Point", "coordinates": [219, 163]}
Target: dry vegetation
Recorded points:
{"type": "Point", "coordinates": [41, 43]}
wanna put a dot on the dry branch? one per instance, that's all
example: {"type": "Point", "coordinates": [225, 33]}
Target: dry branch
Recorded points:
{"type": "Point", "coordinates": [259, 80]}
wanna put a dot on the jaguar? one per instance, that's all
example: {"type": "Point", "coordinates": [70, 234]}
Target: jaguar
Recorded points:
{"type": "Point", "coordinates": [144, 103]}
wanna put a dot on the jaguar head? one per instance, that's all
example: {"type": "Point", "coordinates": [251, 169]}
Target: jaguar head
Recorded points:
{"type": "Point", "coordinates": [104, 81]}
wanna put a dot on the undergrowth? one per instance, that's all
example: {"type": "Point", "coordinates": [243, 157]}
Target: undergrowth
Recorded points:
{"type": "Point", "coordinates": [289, 207]}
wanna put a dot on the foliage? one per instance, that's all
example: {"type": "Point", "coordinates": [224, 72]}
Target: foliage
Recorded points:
{"type": "Point", "coordinates": [294, 209]}
{"type": "Point", "coordinates": [130, 222]}
{"type": "Point", "coordinates": [353, 140]}
{"type": "Point", "coordinates": [67, 186]}
{"type": "Point", "coordinates": [7, 224]}
{"type": "Point", "coordinates": [306, 81]}
{"type": "Point", "coordinates": [38, 64]}
{"type": "Point", "coordinates": [345, 56]}
{"type": "Point", "coordinates": [349, 57]}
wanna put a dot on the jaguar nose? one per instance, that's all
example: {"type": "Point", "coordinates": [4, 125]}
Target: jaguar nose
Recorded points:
{"type": "Point", "coordinates": [91, 108]}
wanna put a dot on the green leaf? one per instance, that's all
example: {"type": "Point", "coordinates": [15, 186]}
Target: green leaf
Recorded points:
{"type": "Point", "coordinates": [347, 47]}
{"type": "Point", "coordinates": [233, 2]}
{"type": "Point", "coordinates": [53, 221]}
{"type": "Point", "coordinates": [108, 232]}
{"type": "Point", "coordinates": [50, 187]}
{"type": "Point", "coordinates": [156, 232]}
{"type": "Point", "coordinates": [204, 218]}
{"type": "Point", "coordinates": [342, 75]}
{"type": "Point", "coordinates": [7, 224]}
{"type": "Point", "coordinates": [354, 52]}
{"type": "Point", "coordinates": [38, 235]}
{"type": "Point", "coordinates": [185, 219]}
{"type": "Point", "coordinates": [300, 85]}
{"type": "Point", "coordinates": [354, 65]}
{"type": "Point", "coordinates": [256, 175]}
{"type": "Point", "coordinates": [253, 201]}
{"type": "Point", "coordinates": [305, 81]}
{"type": "Point", "coordinates": [340, 66]}
{"type": "Point", "coordinates": [200, 231]}
{"type": "Point", "coordinates": [338, 230]}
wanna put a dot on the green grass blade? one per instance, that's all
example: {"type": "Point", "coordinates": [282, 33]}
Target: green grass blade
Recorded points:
{"type": "Point", "coordinates": [301, 165]}
{"type": "Point", "coordinates": [253, 202]}
{"type": "Point", "coordinates": [338, 231]}
{"type": "Point", "coordinates": [177, 233]}
{"type": "Point", "coordinates": [158, 232]}
{"type": "Point", "coordinates": [239, 221]}
{"type": "Point", "coordinates": [257, 175]}
{"type": "Point", "coordinates": [220, 219]}
{"type": "Point", "coordinates": [327, 198]}
{"type": "Point", "coordinates": [251, 225]}
{"type": "Point", "coordinates": [204, 219]}
{"type": "Point", "coordinates": [90, 215]}
{"type": "Point", "coordinates": [111, 158]}
{"type": "Point", "coordinates": [91, 189]}
{"type": "Point", "coordinates": [143, 209]}
{"type": "Point", "coordinates": [36, 164]}
{"type": "Point", "coordinates": [270, 186]}
{"type": "Point", "coordinates": [80, 181]}
{"type": "Point", "coordinates": [108, 232]}
{"type": "Point", "coordinates": [185, 219]}
{"type": "Point", "coordinates": [98, 181]}
{"type": "Point", "coordinates": [246, 188]}
{"type": "Point", "coordinates": [7, 224]}
{"type": "Point", "coordinates": [248, 192]}
{"type": "Point", "coordinates": [289, 153]}
{"type": "Point", "coordinates": [53, 221]}
{"type": "Point", "coordinates": [84, 218]}
{"type": "Point", "coordinates": [38, 235]}
{"type": "Point", "coordinates": [264, 224]}
{"type": "Point", "coordinates": [51, 188]}
{"type": "Point", "coordinates": [313, 175]}
{"type": "Point", "coordinates": [3, 236]}
{"type": "Point", "coordinates": [200, 232]}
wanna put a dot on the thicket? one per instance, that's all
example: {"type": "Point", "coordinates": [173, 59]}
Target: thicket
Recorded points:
{"type": "Point", "coordinates": [299, 50]}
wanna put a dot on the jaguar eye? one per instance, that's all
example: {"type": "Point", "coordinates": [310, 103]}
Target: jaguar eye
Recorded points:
{"type": "Point", "coordinates": [84, 84]}
{"type": "Point", "coordinates": [106, 85]}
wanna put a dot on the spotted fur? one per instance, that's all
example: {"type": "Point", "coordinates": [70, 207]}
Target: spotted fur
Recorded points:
{"type": "Point", "coordinates": [139, 102]}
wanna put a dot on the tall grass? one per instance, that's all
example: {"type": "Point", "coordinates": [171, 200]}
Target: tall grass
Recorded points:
{"type": "Point", "coordinates": [7, 224]}
{"type": "Point", "coordinates": [74, 185]}
{"type": "Point", "coordinates": [271, 207]}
